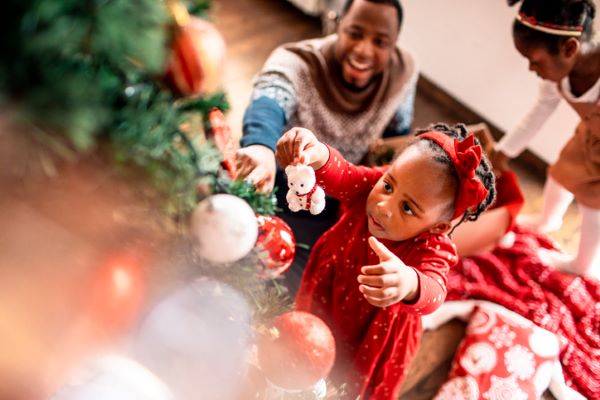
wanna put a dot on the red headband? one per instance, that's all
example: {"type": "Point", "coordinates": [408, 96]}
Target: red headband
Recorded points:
{"type": "Point", "coordinates": [553, 29]}
{"type": "Point", "coordinates": [465, 156]}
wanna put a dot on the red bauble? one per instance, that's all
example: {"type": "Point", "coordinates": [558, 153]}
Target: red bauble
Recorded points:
{"type": "Point", "coordinates": [116, 294]}
{"type": "Point", "coordinates": [277, 241]}
{"type": "Point", "coordinates": [197, 57]}
{"type": "Point", "coordinates": [296, 350]}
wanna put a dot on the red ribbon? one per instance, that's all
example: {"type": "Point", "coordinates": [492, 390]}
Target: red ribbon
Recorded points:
{"type": "Point", "coordinates": [308, 195]}
{"type": "Point", "coordinates": [466, 156]}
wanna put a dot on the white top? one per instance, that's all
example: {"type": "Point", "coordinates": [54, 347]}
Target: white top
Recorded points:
{"type": "Point", "coordinates": [548, 99]}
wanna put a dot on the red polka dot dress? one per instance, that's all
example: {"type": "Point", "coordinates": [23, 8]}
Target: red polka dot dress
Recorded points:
{"type": "Point", "coordinates": [374, 345]}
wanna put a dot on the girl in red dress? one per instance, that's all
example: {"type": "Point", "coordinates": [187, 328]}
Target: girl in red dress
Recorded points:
{"type": "Point", "coordinates": [384, 264]}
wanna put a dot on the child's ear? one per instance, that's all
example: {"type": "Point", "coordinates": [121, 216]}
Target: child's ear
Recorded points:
{"type": "Point", "coordinates": [441, 227]}
{"type": "Point", "coordinates": [570, 47]}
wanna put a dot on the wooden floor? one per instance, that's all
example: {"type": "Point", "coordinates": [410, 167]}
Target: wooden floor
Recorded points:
{"type": "Point", "coordinates": [252, 29]}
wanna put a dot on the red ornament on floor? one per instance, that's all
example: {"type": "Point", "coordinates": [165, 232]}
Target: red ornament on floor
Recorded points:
{"type": "Point", "coordinates": [276, 239]}
{"type": "Point", "coordinates": [296, 350]}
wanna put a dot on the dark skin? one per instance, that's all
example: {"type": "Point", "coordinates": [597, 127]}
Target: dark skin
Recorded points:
{"type": "Point", "coordinates": [579, 61]}
{"type": "Point", "coordinates": [367, 36]}
{"type": "Point", "coordinates": [586, 71]}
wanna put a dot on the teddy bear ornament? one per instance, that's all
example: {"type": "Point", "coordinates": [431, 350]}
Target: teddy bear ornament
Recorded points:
{"type": "Point", "coordinates": [304, 193]}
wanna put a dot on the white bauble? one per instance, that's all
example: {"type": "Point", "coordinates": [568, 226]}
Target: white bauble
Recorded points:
{"type": "Point", "coordinates": [116, 378]}
{"type": "Point", "coordinates": [224, 227]}
{"type": "Point", "coordinates": [196, 340]}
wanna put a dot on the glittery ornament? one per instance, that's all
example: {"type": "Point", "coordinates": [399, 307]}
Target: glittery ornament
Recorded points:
{"type": "Point", "coordinates": [224, 227]}
{"type": "Point", "coordinates": [296, 350]}
{"type": "Point", "coordinates": [277, 241]}
{"type": "Point", "coordinates": [198, 52]}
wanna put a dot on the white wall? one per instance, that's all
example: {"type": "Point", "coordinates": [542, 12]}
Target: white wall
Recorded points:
{"type": "Point", "coordinates": [465, 47]}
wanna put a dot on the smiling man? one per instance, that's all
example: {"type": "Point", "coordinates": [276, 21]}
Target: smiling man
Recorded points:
{"type": "Point", "coordinates": [352, 87]}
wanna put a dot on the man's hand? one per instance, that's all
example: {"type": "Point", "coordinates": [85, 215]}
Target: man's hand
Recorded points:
{"type": "Point", "coordinates": [257, 164]}
{"type": "Point", "coordinates": [388, 282]}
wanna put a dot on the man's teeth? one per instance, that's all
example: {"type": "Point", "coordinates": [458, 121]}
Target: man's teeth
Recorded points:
{"type": "Point", "coordinates": [358, 65]}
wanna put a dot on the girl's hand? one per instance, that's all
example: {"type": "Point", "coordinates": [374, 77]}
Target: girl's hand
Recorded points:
{"type": "Point", "coordinates": [300, 146]}
{"type": "Point", "coordinates": [388, 282]}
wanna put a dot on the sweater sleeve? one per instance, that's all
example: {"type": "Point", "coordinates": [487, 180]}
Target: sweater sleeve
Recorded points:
{"type": "Point", "coordinates": [273, 102]}
{"type": "Point", "coordinates": [515, 141]}
{"type": "Point", "coordinates": [345, 181]}
{"type": "Point", "coordinates": [263, 123]}
{"type": "Point", "coordinates": [434, 255]}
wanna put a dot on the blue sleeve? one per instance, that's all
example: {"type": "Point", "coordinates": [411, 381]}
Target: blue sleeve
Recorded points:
{"type": "Point", "coordinates": [263, 123]}
{"type": "Point", "coordinates": [402, 121]}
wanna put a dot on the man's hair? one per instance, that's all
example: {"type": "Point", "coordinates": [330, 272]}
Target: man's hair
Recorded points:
{"type": "Point", "coordinates": [394, 3]}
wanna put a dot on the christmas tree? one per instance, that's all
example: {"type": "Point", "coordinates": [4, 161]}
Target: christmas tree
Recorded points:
{"type": "Point", "coordinates": [119, 206]}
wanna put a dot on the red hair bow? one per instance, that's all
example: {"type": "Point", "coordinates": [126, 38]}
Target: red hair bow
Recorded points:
{"type": "Point", "coordinates": [466, 156]}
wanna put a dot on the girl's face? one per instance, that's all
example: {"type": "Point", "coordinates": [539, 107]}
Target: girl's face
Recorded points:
{"type": "Point", "coordinates": [366, 38]}
{"type": "Point", "coordinates": [548, 66]}
{"type": "Point", "coordinates": [414, 196]}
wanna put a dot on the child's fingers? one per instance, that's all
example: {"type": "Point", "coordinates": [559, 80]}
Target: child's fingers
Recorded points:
{"type": "Point", "coordinates": [286, 153]}
{"type": "Point", "coordinates": [379, 248]}
{"type": "Point", "coordinates": [378, 269]}
{"type": "Point", "coordinates": [306, 157]}
{"type": "Point", "coordinates": [381, 303]}
{"type": "Point", "coordinates": [378, 293]}
{"type": "Point", "coordinates": [301, 141]}
{"type": "Point", "coordinates": [381, 281]}
{"type": "Point", "coordinates": [284, 147]}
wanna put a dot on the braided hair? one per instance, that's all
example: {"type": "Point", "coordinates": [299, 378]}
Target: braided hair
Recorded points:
{"type": "Point", "coordinates": [484, 171]}
{"type": "Point", "coordinates": [394, 3]}
{"type": "Point", "coordinates": [559, 12]}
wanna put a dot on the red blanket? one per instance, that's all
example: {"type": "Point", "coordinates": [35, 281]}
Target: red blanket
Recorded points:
{"type": "Point", "coordinates": [561, 303]}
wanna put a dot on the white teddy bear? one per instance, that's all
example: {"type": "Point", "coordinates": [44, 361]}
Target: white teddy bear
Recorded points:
{"type": "Point", "coordinates": [304, 193]}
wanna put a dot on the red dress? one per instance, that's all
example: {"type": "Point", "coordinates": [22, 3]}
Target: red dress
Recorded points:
{"type": "Point", "coordinates": [374, 346]}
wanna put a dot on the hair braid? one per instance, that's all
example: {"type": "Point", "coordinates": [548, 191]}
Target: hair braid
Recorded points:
{"type": "Point", "coordinates": [484, 171]}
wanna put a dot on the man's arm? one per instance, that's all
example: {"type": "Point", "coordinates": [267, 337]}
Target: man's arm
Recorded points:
{"type": "Point", "coordinates": [273, 102]}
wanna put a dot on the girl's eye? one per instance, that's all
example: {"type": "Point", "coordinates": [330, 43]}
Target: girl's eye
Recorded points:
{"type": "Point", "coordinates": [407, 209]}
{"type": "Point", "coordinates": [387, 187]}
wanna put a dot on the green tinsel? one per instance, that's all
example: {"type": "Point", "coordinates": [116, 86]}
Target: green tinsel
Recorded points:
{"type": "Point", "coordinates": [261, 203]}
